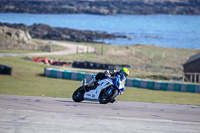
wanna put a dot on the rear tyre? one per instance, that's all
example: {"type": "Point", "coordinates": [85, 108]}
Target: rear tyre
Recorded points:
{"type": "Point", "coordinates": [78, 95]}
{"type": "Point", "coordinates": [113, 101]}
{"type": "Point", "coordinates": [106, 98]}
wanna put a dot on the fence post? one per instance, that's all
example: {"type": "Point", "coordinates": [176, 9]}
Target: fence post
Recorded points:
{"type": "Point", "coordinates": [163, 56]}
{"type": "Point", "coordinates": [50, 49]}
{"type": "Point", "coordinates": [191, 77]}
{"type": "Point", "coordinates": [87, 49]}
{"type": "Point", "coordinates": [151, 56]}
{"type": "Point", "coordinates": [77, 49]}
{"type": "Point", "coordinates": [195, 77]}
{"type": "Point", "coordinates": [102, 49]}
{"type": "Point", "coordinates": [199, 77]}
{"type": "Point", "coordinates": [183, 77]}
{"type": "Point", "coordinates": [95, 50]}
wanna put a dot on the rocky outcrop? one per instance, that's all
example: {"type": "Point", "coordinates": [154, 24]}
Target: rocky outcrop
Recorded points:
{"type": "Point", "coordinates": [17, 35]}
{"type": "Point", "coordinates": [15, 39]}
{"type": "Point", "coordinates": [42, 31]}
{"type": "Point", "coordinates": [105, 7]}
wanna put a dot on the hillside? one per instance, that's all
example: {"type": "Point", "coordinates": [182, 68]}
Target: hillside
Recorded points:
{"type": "Point", "coordinates": [104, 7]}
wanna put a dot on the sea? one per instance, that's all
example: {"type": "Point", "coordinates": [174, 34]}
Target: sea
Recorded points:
{"type": "Point", "coordinates": [176, 31]}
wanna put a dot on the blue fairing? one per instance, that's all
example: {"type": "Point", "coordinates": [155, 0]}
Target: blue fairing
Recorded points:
{"type": "Point", "coordinates": [116, 82]}
{"type": "Point", "coordinates": [93, 76]}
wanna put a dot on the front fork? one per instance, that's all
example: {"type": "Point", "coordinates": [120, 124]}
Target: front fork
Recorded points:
{"type": "Point", "coordinates": [110, 90]}
{"type": "Point", "coordinates": [84, 82]}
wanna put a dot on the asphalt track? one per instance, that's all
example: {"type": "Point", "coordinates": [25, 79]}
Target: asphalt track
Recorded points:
{"type": "Point", "coordinates": [28, 114]}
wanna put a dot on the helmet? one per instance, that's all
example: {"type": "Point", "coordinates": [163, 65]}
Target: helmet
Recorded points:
{"type": "Point", "coordinates": [124, 71]}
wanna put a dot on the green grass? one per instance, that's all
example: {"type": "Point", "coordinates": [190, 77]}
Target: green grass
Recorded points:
{"type": "Point", "coordinates": [19, 51]}
{"type": "Point", "coordinates": [145, 95]}
{"type": "Point", "coordinates": [27, 79]}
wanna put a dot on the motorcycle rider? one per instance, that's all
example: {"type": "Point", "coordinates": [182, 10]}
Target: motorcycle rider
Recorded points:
{"type": "Point", "coordinates": [122, 74]}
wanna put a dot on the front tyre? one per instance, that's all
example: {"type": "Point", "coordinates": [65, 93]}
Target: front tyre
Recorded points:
{"type": "Point", "coordinates": [78, 95]}
{"type": "Point", "coordinates": [105, 98]}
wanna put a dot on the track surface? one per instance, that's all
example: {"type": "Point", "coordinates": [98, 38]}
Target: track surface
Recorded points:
{"type": "Point", "coordinates": [24, 114]}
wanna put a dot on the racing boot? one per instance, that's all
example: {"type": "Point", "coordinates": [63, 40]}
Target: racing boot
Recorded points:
{"type": "Point", "coordinates": [89, 84]}
{"type": "Point", "coordinates": [95, 85]}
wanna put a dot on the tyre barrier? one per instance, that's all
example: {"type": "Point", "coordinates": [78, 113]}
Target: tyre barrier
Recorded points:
{"type": "Point", "coordinates": [4, 69]}
{"type": "Point", "coordinates": [139, 83]}
{"type": "Point", "coordinates": [93, 65]}
{"type": "Point", "coordinates": [66, 74]}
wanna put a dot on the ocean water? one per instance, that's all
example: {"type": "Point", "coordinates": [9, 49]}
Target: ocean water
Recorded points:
{"type": "Point", "coordinates": [179, 31]}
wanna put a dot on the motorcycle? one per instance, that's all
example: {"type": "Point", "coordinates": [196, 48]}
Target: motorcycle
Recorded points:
{"type": "Point", "coordinates": [104, 91]}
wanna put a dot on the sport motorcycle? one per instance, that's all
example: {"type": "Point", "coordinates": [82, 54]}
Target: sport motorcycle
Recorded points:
{"type": "Point", "coordinates": [103, 91]}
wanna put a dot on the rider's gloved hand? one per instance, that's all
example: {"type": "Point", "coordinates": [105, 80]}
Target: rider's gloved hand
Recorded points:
{"type": "Point", "coordinates": [121, 91]}
{"type": "Point", "coordinates": [107, 74]}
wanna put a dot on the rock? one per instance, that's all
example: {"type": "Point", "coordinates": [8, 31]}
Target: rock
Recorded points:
{"type": "Point", "coordinates": [28, 36]}
{"type": "Point", "coordinates": [15, 34]}
{"type": "Point", "coordinates": [20, 35]}
{"type": "Point", "coordinates": [15, 39]}
{"type": "Point", "coordinates": [43, 31]}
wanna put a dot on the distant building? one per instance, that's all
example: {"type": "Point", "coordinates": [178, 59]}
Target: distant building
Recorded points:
{"type": "Point", "coordinates": [191, 69]}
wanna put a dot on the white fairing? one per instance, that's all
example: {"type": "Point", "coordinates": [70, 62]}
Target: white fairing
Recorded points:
{"type": "Point", "coordinates": [121, 86]}
{"type": "Point", "coordinates": [93, 95]}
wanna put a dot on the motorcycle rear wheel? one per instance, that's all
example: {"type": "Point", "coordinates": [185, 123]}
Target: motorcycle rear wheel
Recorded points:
{"type": "Point", "coordinates": [110, 98]}
{"type": "Point", "coordinates": [78, 95]}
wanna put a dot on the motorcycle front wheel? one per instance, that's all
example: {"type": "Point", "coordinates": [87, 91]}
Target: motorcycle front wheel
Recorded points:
{"type": "Point", "coordinates": [105, 98]}
{"type": "Point", "coordinates": [78, 95]}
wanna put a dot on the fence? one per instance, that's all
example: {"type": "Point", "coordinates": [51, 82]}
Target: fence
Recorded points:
{"type": "Point", "coordinates": [163, 86]}
{"type": "Point", "coordinates": [80, 50]}
{"type": "Point", "coordinates": [191, 77]}
{"type": "Point", "coordinates": [139, 83]}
